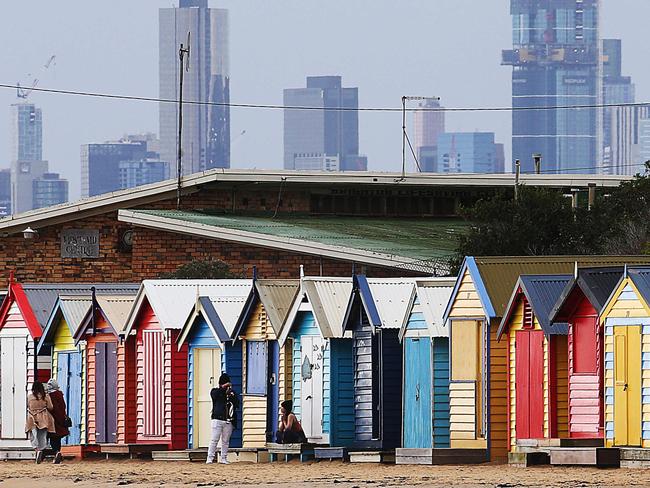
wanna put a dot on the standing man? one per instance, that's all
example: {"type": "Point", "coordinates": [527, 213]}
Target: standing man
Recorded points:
{"type": "Point", "coordinates": [224, 418]}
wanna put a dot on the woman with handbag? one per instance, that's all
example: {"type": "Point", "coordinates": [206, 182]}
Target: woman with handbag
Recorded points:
{"type": "Point", "coordinates": [39, 420]}
{"type": "Point", "coordinates": [61, 419]}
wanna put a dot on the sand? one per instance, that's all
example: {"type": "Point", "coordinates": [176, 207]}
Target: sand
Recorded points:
{"type": "Point", "coordinates": [294, 474]}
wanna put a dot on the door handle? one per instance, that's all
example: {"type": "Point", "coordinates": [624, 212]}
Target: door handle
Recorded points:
{"type": "Point", "coordinates": [625, 387]}
{"type": "Point", "coordinates": [417, 393]}
{"type": "Point", "coordinates": [308, 397]}
{"type": "Point", "coordinates": [272, 380]}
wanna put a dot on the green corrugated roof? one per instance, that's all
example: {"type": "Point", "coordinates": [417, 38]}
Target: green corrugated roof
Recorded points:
{"type": "Point", "coordinates": [422, 239]}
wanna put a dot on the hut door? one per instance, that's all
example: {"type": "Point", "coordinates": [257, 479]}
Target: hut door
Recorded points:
{"type": "Point", "coordinates": [207, 369]}
{"type": "Point", "coordinates": [529, 388]}
{"type": "Point", "coordinates": [627, 386]}
{"type": "Point", "coordinates": [311, 391]}
{"type": "Point", "coordinates": [13, 365]}
{"type": "Point", "coordinates": [417, 394]}
{"type": "Point", "coordinates": [69, 377]}
{"type": "Point", "coordinates": [273, 399]}
{"type": "Point", "coordinates": [106, 392]}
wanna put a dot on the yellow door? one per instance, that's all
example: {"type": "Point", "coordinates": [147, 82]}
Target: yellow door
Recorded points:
{"type": "Point", "coordinates": [207, 369]}
{"type": "Point", "coordinates": [627, 386]}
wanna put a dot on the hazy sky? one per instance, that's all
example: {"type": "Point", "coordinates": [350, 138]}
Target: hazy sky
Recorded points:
{"type": "Point", "coordinates": [388, 48]}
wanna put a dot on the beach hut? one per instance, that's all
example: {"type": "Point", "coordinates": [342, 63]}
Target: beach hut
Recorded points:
{"type": "Point", "coordinates": [99, 333]}
{"type": "Point", "coordinates": [24, 314]}
{"type": "Point", "coordinates": [626, 318]}
{"type": "Point", "coordinates": [537, 361]}
{"type": "Point", "coordinates": [264, 362]}
{"type": "Point", "coordinates": [68, 359]}
{"type": "Point", "coordinates": [579, 305]}
{"type": "Point", "coordinates": [425, 403]}
{"type": "Point", "coordinates": [155, 374]}
{"type": "Point", "coordinates": [207, 333]}
{"type": "Point", "coordinates": [477, 360]}
{"type": "Point", "coordinates": [321, 371]}
{"type": "Point", "coordinates": [378, 310]}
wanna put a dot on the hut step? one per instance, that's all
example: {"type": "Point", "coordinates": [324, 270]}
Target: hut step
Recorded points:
{"type": "Point", "coordinates": [586, 456]}
{"type": "Point", "coordinates": [330, 453]}
{"type": "Point", "coordinates": [131, 450]}
{"type": "Point", "coordinates": [528, 458]}
{"type": "Point", "coordinates": [386, 457]}
{"type": "Point", "coordinates": [635, 457]}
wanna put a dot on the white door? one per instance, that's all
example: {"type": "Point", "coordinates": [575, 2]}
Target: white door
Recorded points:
{"type": "Point", "coordinates": [207, 369]}
{"type": "Point", "coordinates": [311, 391]}
{"type": "Point", "coordinates": [13, 366]}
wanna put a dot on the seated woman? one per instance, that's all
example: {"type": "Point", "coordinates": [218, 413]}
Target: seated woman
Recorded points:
{"type": "Point", "coordinates": [290, 431]}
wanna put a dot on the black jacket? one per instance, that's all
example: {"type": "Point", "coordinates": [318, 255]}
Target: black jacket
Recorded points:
{"type": "Point", "coordinates": [220, 403]}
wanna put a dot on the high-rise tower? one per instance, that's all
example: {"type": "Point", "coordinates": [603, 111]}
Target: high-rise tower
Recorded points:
{"type": "Point", "coordinates": [555, 60]}
{"type": "Point", "coordinates": [206, 128]}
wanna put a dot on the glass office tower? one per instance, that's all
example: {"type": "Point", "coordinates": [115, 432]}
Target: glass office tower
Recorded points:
{"type": "Point", "coordinates": [555, 60]}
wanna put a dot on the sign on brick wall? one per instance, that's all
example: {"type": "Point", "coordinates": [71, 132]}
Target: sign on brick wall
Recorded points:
{"type": "Point", "coordinates": [79, 243]}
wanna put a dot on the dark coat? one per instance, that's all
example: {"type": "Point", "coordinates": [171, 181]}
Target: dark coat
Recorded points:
{"type": "Point", "coordinates": [59, 413]}
{"type": "Point", "coordinates": [219, 410]}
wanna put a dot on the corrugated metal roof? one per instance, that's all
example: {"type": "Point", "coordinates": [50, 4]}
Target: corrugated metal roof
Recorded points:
{"type": "Point", "coordinates": [174, 300]}
{"type": "Point", "coordinates": [499, 274]}
{"type": "Point", "coordinates": [433, 295]}
{"type": "Point", "coordinates": [393, 298]}
{"type": "Point", "coordinates": [277, 296]}
{"type": "Point", "coordinates": [329, 298]}
{"type": "Point", "coordinates": [42, 297]}
{"type": "Point", "coordinates": [116, 309]}
{"type": "Point", "coordinates": [212, 317]}
{"type": "Point", "coordinates": [542, 292]}
{"type": "Point", "coordinates": [230, 308]}
{"type": "Point", "coordinates": [75, 309]}
{"type": "Point", "coordinates": [640, 276]}
{"type": "Point", "coordinates": [598, 283]}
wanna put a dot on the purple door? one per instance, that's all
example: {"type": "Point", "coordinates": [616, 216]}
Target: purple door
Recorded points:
{"type": "Point", "coordinates": [106, 392]}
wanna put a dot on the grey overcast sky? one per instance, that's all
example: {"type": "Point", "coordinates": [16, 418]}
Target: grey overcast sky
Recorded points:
{"type": "Point", "coordinates": [388, 48]}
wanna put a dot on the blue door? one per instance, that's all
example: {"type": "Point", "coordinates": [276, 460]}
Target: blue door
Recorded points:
{"type": "Point", "coordinates": [274, 391]}
{"type": "Point", "coordinates": [440, 392]}
{"type": "Point", "coordinates": [417, 393]}
{"type": "Point", "coordinates": [69, 379]}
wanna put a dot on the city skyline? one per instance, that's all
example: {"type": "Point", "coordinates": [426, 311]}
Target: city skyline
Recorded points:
{"type": "Point", "coordinates": [132, 43]}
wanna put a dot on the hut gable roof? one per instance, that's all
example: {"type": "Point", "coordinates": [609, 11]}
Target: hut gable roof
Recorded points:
{"type": "Point", "coordinates": [113, 308]}
{"type": "Point", "coordinates": [387, 301]}
{"type": "Point", "coordinates": [542, 292]}
{"type": "Point", "coordinates": [432, 295]}
{"type": "Point", "coordinates": [173, 300]}
{"type": "Point", "coordinates": [72, 309]}
{"type": "Point", "coordinates": [640, 276]}
{"type": "Point", "coordinates": [277, 296]}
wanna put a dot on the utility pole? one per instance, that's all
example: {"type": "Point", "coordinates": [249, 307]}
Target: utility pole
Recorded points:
{"type": "Point", "coordinates": [182, 52]}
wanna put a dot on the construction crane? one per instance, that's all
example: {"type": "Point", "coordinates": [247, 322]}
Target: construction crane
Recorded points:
{"type": "Point", "coordinates": [23, 92]}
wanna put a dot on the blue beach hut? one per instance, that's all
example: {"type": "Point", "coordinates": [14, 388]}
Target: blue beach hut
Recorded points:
{"type": "Point", "coordinates": [377, 311]}
{"type": "Point", "coordinates": [322, 361]}
{"type": "Point", "coordinates": [425, 400]}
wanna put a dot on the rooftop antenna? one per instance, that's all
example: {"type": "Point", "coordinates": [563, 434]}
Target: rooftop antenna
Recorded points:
{"type": "Point", "coordinates": [405, 136]}
{"type": "Point", "coordinates": [182, 53]}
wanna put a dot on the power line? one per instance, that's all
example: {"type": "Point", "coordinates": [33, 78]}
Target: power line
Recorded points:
{"type": "Point", "coordinates": [336, 109]}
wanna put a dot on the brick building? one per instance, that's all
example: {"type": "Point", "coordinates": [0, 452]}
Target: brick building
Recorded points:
{"type": "Point", "coordinates": [274, 220]}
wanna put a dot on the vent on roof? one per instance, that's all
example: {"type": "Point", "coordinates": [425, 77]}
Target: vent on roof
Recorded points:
{"type": "Point", "coordinates": [528, 315]}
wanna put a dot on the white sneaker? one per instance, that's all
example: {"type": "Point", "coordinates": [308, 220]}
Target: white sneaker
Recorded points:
{"type": "Point", "coordinates": [224, 461]}
{"type": "Point", "coordinates": [208, 461]}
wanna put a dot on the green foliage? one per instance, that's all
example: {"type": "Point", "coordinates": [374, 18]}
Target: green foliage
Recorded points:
{"type": "Point", "coordinates": [212, 269]}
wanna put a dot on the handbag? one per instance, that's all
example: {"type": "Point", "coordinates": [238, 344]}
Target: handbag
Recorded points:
{"type": "Point", "coordinates": [67, 422]}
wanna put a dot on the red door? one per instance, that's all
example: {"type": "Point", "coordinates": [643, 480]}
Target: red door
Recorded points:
{"type": "Point", "coordinates": [529, 384]}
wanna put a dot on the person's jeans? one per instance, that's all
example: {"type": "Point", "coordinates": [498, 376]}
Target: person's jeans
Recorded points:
{"type": "Point", "coordinates": [38, 438]}
{"type": "Point", "coordinates": [221, 429]}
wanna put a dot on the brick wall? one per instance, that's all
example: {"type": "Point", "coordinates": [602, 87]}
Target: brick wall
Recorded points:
{"type": "Point", "coordinates": [156, 252]}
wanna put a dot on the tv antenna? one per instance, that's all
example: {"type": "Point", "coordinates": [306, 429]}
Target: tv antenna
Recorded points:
{"type": "Point", "coordinates": [405, 136]}
{"type": "Point", "coordinates": [184, 65]}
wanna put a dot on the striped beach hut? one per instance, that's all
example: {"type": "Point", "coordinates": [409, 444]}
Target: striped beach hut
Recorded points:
{"type": "Point", "coordinates": [207, 333]}
{"type": "Point", "coordinates": [580, 304]}
{"type": "Point", "coordinates": [99, 335]}
{"type": "Point", "coordinates": [264, 361]}
{"type": "Point", "coordinates": [537, 361]}
{"type": "Point", "coordinates": [378, 310]}
{"type": "Point", "coordinates": [425, 339]}
{"type": "Point", "coordinates": [152, 386]}
{"type": "Point", "coordinates": [478, 364]}
{"type": "Point", "coordinates": [321, 354]}
{"type": "Point", "coordinates": [626, 318]}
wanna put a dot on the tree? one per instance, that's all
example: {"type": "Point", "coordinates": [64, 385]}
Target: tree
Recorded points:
{"type": "Point", "coordinates": [211, 269]}
{"type": "Point", "coordinates": [540, 222]}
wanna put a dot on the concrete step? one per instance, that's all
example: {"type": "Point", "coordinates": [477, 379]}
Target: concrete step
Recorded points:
{"type": "Point", "coordinates": [526, 459]}
{"type": "Point", "coordinates": [586, 456]}
{"type": "Point", "coordinates": [330, 453]}
{"type": "Point", "coordinates": [385, 457]}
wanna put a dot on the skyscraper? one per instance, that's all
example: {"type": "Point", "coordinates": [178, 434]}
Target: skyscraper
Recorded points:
{"type": "Point", "coordinates": [555, 60]}
{"type": "Point", "coordinates": [206, 128]}
{"type": "Point", "coordinates": [49, 190]}
{"type": "Point", "coordinates": [428, 126]}
{"type": "Point", "coordinates": [323, 133]}
{"type": "Point", "coordinates": [467, 152]}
